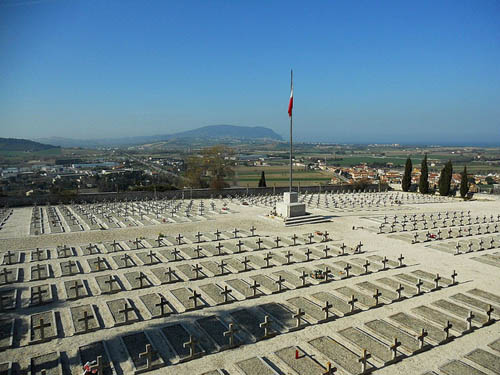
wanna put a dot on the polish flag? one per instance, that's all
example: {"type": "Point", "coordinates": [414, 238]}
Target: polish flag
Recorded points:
{"type": "Point", "coordinates": [290, 104]}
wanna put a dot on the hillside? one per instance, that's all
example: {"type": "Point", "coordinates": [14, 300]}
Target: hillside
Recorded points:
{"type": "Point", "coordinates": [212, 132]}
{"type": "Point", "coordinates": [15, 144]}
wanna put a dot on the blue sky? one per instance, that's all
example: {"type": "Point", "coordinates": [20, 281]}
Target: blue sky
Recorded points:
{"type": "Point", "coordinates": [364, 71]}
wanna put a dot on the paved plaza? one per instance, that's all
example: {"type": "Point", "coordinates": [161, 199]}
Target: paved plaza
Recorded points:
{"type": "Point", "coordinates": [409, 284]}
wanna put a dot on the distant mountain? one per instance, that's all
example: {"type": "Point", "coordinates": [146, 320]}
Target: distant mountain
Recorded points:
{"type": "Point", "coordinates": [211, 132]}
{"type": "Point", "coordinates": [15, 144]}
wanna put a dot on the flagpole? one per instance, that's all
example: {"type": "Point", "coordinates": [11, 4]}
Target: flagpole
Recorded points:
{"type": "Point", "coordinates": [291, 142]}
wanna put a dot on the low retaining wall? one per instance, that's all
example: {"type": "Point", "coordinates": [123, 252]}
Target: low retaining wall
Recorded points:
{"type": "Point", "coordinates": [186, 194]}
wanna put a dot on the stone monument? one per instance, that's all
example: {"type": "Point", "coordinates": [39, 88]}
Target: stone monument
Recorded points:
{"type": "Point", "coordinates": [290, 206]}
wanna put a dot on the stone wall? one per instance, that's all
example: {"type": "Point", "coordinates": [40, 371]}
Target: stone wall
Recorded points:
{"type": "Point", "coordinates": [186, 193]}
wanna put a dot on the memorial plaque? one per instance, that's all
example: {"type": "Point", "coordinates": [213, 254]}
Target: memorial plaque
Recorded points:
{"type": "Point", "coordinates": [255, 365]}
{"type": "Point", "coordinates": [84, 319]}
{"type": "Point", "coordinates": [142, 352]}
{"type": "Point", "coordinates": [122, 311]}
{"type": "Point", "coordinates": [339, 354]}
{"type": "Point", "coordinates": [89, 354]}
{"type": "Point", "coordinates": [42, 327]}
{"type": "Point", "coordinates": [485, 359]}
{"type": "Point", "coordinates": [459, 368]}
{"type": "Point", "coordinates": [48, 364]}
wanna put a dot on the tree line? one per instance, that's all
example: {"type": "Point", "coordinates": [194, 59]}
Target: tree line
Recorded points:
{"type": "Point", "coordinates": [444, 182]}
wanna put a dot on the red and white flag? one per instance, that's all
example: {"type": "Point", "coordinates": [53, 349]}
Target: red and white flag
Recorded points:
{"type": "Point", "coordinates": [290, 104]}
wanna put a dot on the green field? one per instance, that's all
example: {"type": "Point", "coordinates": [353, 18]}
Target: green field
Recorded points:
{"type": "Point", "coordinates": [279, 176]}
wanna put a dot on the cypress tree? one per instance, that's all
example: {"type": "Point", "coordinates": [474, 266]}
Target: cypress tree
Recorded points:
{"type": "Point", "coordinates": [262, 181]}
{"type": "Point", "coordinates": [445, 179]}
{"type": "Point", "coordinates": [464, 183]}
{"type": "Point", "coordinates": [423, 184]}
{"type": "Point", "coordinates": [406, 182]}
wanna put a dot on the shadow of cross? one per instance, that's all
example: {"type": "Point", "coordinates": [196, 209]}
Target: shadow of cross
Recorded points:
{"type": "Point", "coordinates": [222, 267]}
{"type": "Point", "coordinates": [163, 302]}
{"type": "Point", "coordinates": [126, 258]}
{"type": "Point", "coordinates": [195, 297]}
{"type": "Point", "coordinates": [41, 327]}
{"type": "Point", "coordinates": [5, 274]}
{"type": "Point", "coordinates": [8, 257]}
{"type": "Point", "coordinates": [76, 287]}
{"type": "Point", "coordinates": [85, 319]}
{"type": "Point", "coordinates": [141, 279]}
{"type": "Point", "coordinates": [110, 282]}
{"type": "Point", "coordinates": [38, 270]}
{"type": "Point", "coordinates": [196, 269]}
{"type": "Point", "coordinates": [152, 256]}
{"type": "Point", "coordinates": [69, 266]}
{"type": "Point", "coordinates": [37, 294]}
{"type": "Point", "coordinates": [126, 309]}
{"type": "Point", "coordinates": [99, 263]}
{"type": "Point", "coordinates": [259, 243]}
{"type": "Point", "coordinates": [148, 354]}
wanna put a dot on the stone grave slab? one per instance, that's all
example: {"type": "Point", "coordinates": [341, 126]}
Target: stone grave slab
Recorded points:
{"type": "Point", "coordinates": [495, 345]}
{"type": "Point", "coordinates": [90, 249]}
{"type": "Point", "coordinates": [6, 368]}
{"type": "Point", "coordinates": [430, 276]}
{"type": "Point", "coordinates": [6, 333]}
{"type": "Point", "coordinates": [485, 259]}
{"type": "Point", "coordinates": [299, 255]}
{"type": "Point", "coordinates": [161, 274]}
{"type": "Point", "coordinates": [148, 260]}
{"type": "Point", "coordinates": [50, 362]}
{"type": "Point", "coordinates": [255, 365]}
{"type": "Point", "coordinates": [440, 318]}
{"type": "Point", "coordinates": [459, 368]}
{"type": "Point", "coordinates": [153, 302]}
{"type": "Point", "coordinates": [11, 257]}
{"type": "Point", "coordinates": [373, 267]}
{"type": "Point", "coordinates": [113, 247]}
{"type": "Point", "coordinates": [492, 298]}
{"type": "Point", "coordinates": [258, 262]}
{"type": "Point", "coordinates": [213, 291]}
{"type": "Point", "coordinates": [109, 284]}
{"type": "Point", "coordinates": [362, 298]}
{"type": "Point", "coordinates": [213, 268]}
{"type": "Point", "coordinates": [70, 268]}
{"type": "Point", "coordinates": [9, 275]}
{"type": "Point", "coordinates": [249, 320]}
{"type": "Point", "coordinates": [461, 311]}
{"type": "Point", "coordinates": [40, 272]}
{"type": "Point", "coordinates": [237, 265]}
{"type": "Point", "coordinates": [122, 311]}
{"type": "Point", "coordinates": [214, 329]}
{"type": "Point", "coordinates": [365, 341]}
{"type": "Point", "coordinates": [339, 306]}
{"type": "Point", "coordinates": [90, 352]}
{"type": "Point", "coordinates": [8, 299]}
{"type": "Point", "coordinates": [213, 251]}
{"type": "Point", "coordinates": [98, 264]}
{"type": "Point", "coordinates": [42, 332]}
{"type": "Point", "coordinates": [310, 308]}
{"type": "Point", "coordinates": [187, 270]}
{"type": "Point", "coordinates": [394, 284]}
{"type": "Point", "coordinates": [71, 287]}
{"type": "Point", "coordinates": [189, 253]}
{"type": "Point", "coordinates": [387, 294]}
{"type": "Point", "coordinates": [134, 280]}
{"type": "Point", "coordinates": [170, 256]}
{"type": "Point", "coordinates": [282, 314]}
{"type": "Point", "coordinates": [81, 313]}
{"type": "Point", "coordinates": [415, 325]}
{"type": "Point", "coordinates": [266, 283]}
{"type": "Point", "coordinates": [41, 294]}
{"type": "Point", "coordinates": [290, 278]}
{"type": "Point", "coordinates": [39, 255]}
{"type": "Point", "coordinates": [65, 251]}
{"type": "Point", "coordinates": [485, 359]}
{"type": "Point", "coordinates": [182, 295]}
{"type": "Point", "coordinates": [388, 332]}
{"type": "Point", "coordinates": [412, 280]}
{"type": "Point", "coordinates": [120, 261]}
{"type": "Point", "coordinates": [304, 365]}
{"type": "Point", "coordinates": [136, 345]}
{"type": "Point", "coordinates": [379, 259]}
{"type": "Point", "coordinates": [243, 288]}
{"type": "Point", "coordinates": [339, 354]}
{"type": "Point", "coordinates": [176, 336]}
